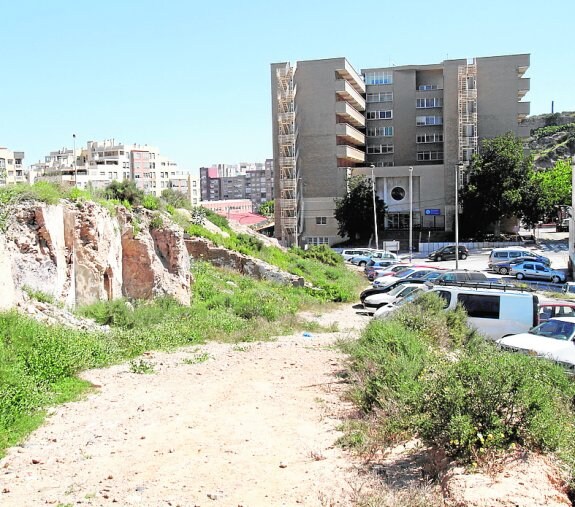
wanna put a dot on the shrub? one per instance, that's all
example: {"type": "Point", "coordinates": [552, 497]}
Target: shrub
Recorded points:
{"type": "Point", "coordinates": [151, 202]}
{"type": "Point", "coordinates": [321, 253]}
{"type": "Point", "coordinates": [124, 191]}
{"type": "Point", "coordinates": [157, 222]}
{"type": "Point", "coordinates": [493, 399]}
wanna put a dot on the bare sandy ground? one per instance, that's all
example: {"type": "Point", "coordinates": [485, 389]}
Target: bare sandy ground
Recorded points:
{"type": "Point", "coordinates": [252, 425]}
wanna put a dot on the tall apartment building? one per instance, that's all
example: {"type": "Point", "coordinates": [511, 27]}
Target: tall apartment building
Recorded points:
{"type": "Point", "coordinates": [417, 125]}
{"type": "Point", "coordinates": [245, 181]}
{"type": "Point", "coordinates": [101, 162]}
{"type": "Point", "coordinates": [11, 167]}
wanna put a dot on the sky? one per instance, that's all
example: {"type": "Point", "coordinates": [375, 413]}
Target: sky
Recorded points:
{"type": "Point", "coordinates": [193, 78]}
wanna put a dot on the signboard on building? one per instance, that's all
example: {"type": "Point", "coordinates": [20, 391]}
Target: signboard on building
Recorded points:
{"type": "Point", "coordinates": [433, 211]}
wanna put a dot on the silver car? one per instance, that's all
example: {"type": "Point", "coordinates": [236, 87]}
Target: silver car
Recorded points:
{"type": "Point", "coordinates": [536, 271]}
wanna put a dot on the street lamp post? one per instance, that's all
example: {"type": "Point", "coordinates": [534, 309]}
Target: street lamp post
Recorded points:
{"type": "Point", "coordinates": [374, 206]}
{"type": "Point", "coordinates": [410, 213]}
{"type": "Point", "coordinates": [74, 161]}
{"type": "Point", "coordinates": [457, 170]}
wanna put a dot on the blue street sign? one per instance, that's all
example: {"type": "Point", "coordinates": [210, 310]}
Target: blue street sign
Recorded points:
{"type": "Point", "coordinates": [433, 211]}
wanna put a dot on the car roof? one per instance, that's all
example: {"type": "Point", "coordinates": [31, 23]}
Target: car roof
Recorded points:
{"type": "Point", "coordinates": [554, 302]}
{"type": "Point", "coordinates": [563, 319]}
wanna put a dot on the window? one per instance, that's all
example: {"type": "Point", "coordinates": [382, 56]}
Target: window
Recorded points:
{"type": "Point", "coordinates": [429, 155]}
{"type": "Point", "coordinates": [397, 193]}
{"type": "Point", "coordinates": [321, 220]}
{"type": "Point", "coordinates": [429, 138]}
{"type": "Point", "coordinates": [380, 115]}
{"type": "Point", "coordinates": [421, 121]}
{"type": "Point", "coordinates": [480, 305]}
{"type": "Point", "coordinates": [384, 163]}
{"type": "Point", "coordinates": [318, 241]}
{"type": "Point", "coordinates": [379, 77]}
{"type": "Point", "coordinates": [380, 148]}
{"type": "Point", "coordinates": [427, 87]}
{"type": "Point", "coordinates": [379, 97]}
{"type": "Point", "coordinates": [429, 103]}
{"type": "Point", "coordinates": [379, 131]}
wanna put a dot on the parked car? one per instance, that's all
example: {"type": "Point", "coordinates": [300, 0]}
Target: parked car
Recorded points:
{"type": "Point", "coordinates": [377, 265]}
{"type": "Point", "coordinates": [386, 310]}
{"type": "Point", "coordinates": [370, 291]}
{"type": "Point", "coordinates": [552, 339]}
{"type": "Point", "coordinates": [362, 260]}
{"type": "Point", "coordinates": [552, 308]}
{"type": "Point", "coordinates": [447, 252]}
{"type": "Point", "coordinates": [504, 267]}
{"type": "Point", "coordinates": [389, 271]}
{"type": "Point", "coordinates": [509, 253]}
{"type": "Point", "coordinates": [406, 274]}
{"type": "Point", "coordinates": [348, 253]}
{"type": "Point", "coordinates": [536, 271]}
{"type": "Point", "coordinates": [460, 275]}
{"type": "Point", "coordinates": [375, 301]}
{"type": "Point", "coordinates": [494, 312]}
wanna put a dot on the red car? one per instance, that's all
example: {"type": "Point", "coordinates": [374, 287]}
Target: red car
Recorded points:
{"type": "Point", "coordinates": [555, 308]}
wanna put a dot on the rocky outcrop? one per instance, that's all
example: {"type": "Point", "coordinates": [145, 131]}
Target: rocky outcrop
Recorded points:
{"type": "Point", "coordinates": [80, 253]}
{"type": "Point", "coordinates": [155, 261]}
{"type": "Point", "coordinates": [200, 248]}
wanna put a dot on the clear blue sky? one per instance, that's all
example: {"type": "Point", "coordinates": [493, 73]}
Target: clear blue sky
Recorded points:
{"type": "Point", "coordinates": [193, 78]}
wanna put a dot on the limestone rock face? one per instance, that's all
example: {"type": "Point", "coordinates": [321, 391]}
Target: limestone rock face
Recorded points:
{"type": "Point", "coordinates": [79, 254]}
{"type": "Point", "coordinates": [155, 260]}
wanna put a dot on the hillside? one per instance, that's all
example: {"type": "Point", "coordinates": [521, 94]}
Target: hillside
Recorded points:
{"type": "Point", "coordinates": [552, 137]}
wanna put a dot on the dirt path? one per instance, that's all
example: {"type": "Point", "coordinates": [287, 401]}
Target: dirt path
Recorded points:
{"type": "Point", "coordinates": [253, 425]}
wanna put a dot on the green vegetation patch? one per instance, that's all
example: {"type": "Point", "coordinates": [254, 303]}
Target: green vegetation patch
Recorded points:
{"type": "Point", "coordinates": [424, 373]}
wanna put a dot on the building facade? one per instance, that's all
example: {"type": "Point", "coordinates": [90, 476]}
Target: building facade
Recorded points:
{"type": "Point", "coordinates": [11, 167]}
{"type": "Point", "coordinates": [252, 181]}
{"type": "Point", "coordinates": [417, 125]}
{"type": "Point", "coordinates": [101, 162]}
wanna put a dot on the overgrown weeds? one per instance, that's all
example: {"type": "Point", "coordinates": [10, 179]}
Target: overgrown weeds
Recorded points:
{"type": "Point", "coordinates": [424, 374]}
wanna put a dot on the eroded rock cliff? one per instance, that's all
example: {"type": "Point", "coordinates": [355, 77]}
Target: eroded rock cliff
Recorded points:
{"type": "Point", "coordinates": [79, 253]}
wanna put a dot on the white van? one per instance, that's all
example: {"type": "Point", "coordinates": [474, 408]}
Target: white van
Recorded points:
{"type": "Point", "coordinates": [354, 252]}
{"type": "Point", "coordinates": [509, 253]}
{"type": "Point", "coordinates": [494, 312]}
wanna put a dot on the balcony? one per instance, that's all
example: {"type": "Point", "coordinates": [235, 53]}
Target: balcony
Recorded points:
{"type": "Point", "coordinates": [349, 74]}
{"type": "Point", "coordinates": [344, 90]}
{"type": "Point", "coordinates": [523, 87]}
{"type": "Point", "coordinates": [349, 153]}
{"type": "Point", "coordinates": [286, 138]}
{"type": "Point", "coordinates": [349, 134]}
{"type": "Point", "coordinates": [286, 117]}
{"type": "Point", "coordinates": [349, 114]}
{"type": "Point", "coordinates": [523, 109]}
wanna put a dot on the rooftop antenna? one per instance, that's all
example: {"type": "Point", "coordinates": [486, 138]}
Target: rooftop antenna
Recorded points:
{"type": "Point", "coordinates": [552, 106]}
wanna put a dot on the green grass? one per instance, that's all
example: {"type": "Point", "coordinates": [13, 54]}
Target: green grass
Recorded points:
{"type": "Point", "coordinates": [39, 364]}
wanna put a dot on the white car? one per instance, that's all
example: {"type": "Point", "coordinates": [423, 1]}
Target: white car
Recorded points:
{"type": "Point", "coordinates": [372, 303]}
{"type": "Point", "coordinates": [386, 310]}
{"type": "Point", "coordinates": [536, 271]}
{"type": "Point", "coordinates": [553, 339]}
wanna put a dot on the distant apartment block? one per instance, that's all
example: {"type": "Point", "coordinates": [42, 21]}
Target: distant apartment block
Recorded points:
{"type": "Point", "coordinates": [243, 181]}
{"type": "Point", "coordinates": [101, 162]}
{"type": "Point", "coordinates": [11, 167]}
{"type": "Point", "coordinates": [331, 122]}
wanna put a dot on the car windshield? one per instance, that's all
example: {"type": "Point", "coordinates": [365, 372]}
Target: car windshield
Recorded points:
{"type": "Point", "coordinates": [396, 290]}
{"type": "Point", "coordinates": [557, 329]}
{"type": "Point", "coordinates": [432, 275]}
{"type": "Point", "coordinates": [408, 298]}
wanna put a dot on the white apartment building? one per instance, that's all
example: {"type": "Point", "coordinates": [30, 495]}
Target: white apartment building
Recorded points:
{"type": "Point", "coordinates": [101, 162]}
{"type": "Point", "coordinates": [11, 167]}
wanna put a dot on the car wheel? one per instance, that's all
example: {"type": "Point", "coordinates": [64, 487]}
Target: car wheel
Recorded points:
{"type": "Point", "coordinates": [439, 258]}
{"type": "Point", "coordinates": [463, 256]}
{"type": "Point", "coordinates": [503, 271]}
{"type": "Point", "coordinates": [555, 279]}
{"type": "Point", "coordinates": [520, 276]}
{"type": "Point", "coordinates": [362, 264]}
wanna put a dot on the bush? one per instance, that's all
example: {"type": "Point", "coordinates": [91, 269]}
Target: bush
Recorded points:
{"type": "Point", "coordinates": [321, 253]}
{"type": "Point", "coordinates": [151, 202]}
{"type": "Point", "coordinates": [493, 399]}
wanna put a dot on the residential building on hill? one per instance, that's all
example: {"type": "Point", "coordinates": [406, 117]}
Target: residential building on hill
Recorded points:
{"type": "Point", "coordinates": [101, 162]}
{"type": "Point", "coordinates": [414, 127]}
{"type": "Point", "coordinates": [11, 167]}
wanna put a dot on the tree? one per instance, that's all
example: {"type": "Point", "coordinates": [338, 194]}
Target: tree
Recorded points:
{"type": "Point", "coordinates": [499, 183]}
{"type": "Point", "coordinates": [354, 212]}
{"type": "Point", "coordinates": [176, 198]}
{"type": "Point", "coordinates": [553, 188]}
{"type": "Point", "coordinates": [125, 190]}
{"type": "Point", "coordinates": [267, 208]}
